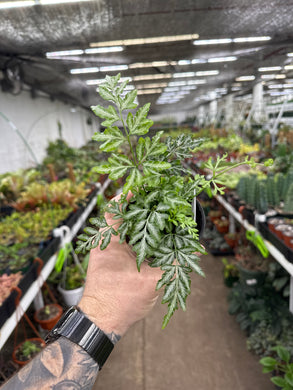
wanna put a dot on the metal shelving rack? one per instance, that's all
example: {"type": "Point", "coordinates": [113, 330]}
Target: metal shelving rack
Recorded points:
{"type": "Point", "coordinates": [33, 294]}
{"type": "Point", "coordinates": [279, 257]}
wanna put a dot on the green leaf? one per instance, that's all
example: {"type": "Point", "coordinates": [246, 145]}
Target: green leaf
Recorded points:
{"type": "Point", "coordinates": [152, 166]}
{"type": "Point", "coordinates": [140, 149]}
{"type": "Point", "coordinates": [172, 306]}
{"type": "Point", "coordinates": [106, 239]}
{"type": "Point", "coordinates": [169, 291]}
{"type": "Point", "coordinates": [105, 93]}
{"type": "Point", "coordinates": [278, 381]}
{"type": "Point", "coordinates": [282, 352]}
{"type": "Point", "coordinates": [128, 101]}
{"type": "Point", "coordinates": [112, 138]}
{"type": "Point", "coordinates": [133, 179]}
{"type": "Point", "coordinates": [268, 361]}
{"type": "Point", "coordinates": [109, 114]}
{"type": "Point", "coordinates": [141, 251]}
{"type": "Point", "coordinates": [123, 230]}
{"type": "Point", "coordinates": [289, 378]}
{"type": "Point", "coordinates": [99, 222]}
{"type": "Point", "coordinates": [121, 87]}
{"type": "Point", "coordinates": [90, 231]}
{"type": "Point", "coordinates": [166, 277]}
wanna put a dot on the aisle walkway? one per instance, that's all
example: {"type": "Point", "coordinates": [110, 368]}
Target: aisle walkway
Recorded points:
{"type": "Point", "coordinates": [201, 349]}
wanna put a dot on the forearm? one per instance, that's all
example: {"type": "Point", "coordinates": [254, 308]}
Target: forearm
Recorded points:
{"type": "Point", "coordinates": [61, 364]}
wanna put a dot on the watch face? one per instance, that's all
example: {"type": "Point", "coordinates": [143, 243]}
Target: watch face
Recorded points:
{"type": "Point", "coordinates": [67, 385]}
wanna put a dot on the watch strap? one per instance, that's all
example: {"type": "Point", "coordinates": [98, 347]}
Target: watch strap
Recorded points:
{"type": "Point", "coordinates": [75, 326]}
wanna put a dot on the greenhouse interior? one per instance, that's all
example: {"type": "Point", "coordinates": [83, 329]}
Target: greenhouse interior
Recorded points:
{"type": "Point", "coordinates": [146, 155]}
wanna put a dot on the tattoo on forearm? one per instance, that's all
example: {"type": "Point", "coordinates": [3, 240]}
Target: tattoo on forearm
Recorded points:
{"type": "Point", "coordinates": [113, 337]}
{"type": "Point", "coordinates": [61, 365]}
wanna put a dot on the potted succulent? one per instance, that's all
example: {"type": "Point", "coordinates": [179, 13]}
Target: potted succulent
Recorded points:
{"type": "Point", "coordinates": [158, 221]}
{"type": "Point", "coordinates": [230, 273]}
{"type": "Point", "coordinates": [27, 350]}
{"type": "Point", "coordinates": [48, 316]}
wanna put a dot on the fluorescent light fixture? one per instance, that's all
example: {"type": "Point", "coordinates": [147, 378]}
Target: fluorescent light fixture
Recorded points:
{"type": "Point", "coordinates": [222, 59]}
{"type": "Point", "coordinates": [16, 4]}
{"type": "Point", "coordinates": [183, 74]}
{"type": "Point", "coordinates": [113, 68]}
{"type": "Point", "coordinates": [268, 76]}
{"type": "Point", "coordinates": [198, 61]}
{"type": "Point", "coordinates": [269, 69]}
{"type": "Point", "coordinates": [184, 62]}
{"type": "Point", "coordinates": [84, 70]}
{"type": "Point", "coordinates": [31, 3]}
{"type": "Point", "coordinates": [149, 91]}
{"type": "Point", "coordinates": [196, 82]}
{"type": "Point", "coordinates": [290, 54]}
{"type": "Point", "coordinates": [207, 73]}
{"type": "Point", "coordinates": [278, 93]}
{"type": "Point", "coordinates": [152, 85]}
{"type": "Point", "coordinates": [154, 64]}
{"type": "Point", "coordinates": [177, 83]}
{"type": "Point", "coordinates": [280, 76]}
{"type": "Point", "coordinates": [245, 78]}
{"type": "Point", "coordinates": [171, 89]}
{"type": "Point", "coordinates": [212, 41]}
{"type": "Point", "coordinates": [230, 40]}
{"type": "Point", "coordinates": [53, 54]}
{"type": "Point", "coordinates": [234, 89]}
{"type": "Point", "coordinates": [152, 76]}
{"type": "Point", "coordinates": [146, 41]}
{"type": "Point", "coordinates": [189, 87]}
{"type": "Point", "coordinates": [251, 39]}
{"type": "Point", "coordinates": [272, 86]}
{"type": "Point", "coordinates": [97, 50]}
{"type": "Point", "coordinates": [288, 67]}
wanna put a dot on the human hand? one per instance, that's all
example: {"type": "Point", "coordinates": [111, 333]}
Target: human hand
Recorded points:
{"type": "Point", "coordinates": [116, 295]}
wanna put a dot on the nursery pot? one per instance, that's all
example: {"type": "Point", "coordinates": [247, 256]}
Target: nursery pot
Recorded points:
{"type": "Point", "coordinates": [71, 297]}
{"type": "Point", "coordinates": [49, 323]}
{"type": "Point", "coordinates": [251, 278]}
{"type": "Point", "coordinates": [15, 356]}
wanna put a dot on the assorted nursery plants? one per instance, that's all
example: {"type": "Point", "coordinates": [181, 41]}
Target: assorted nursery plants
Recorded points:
{"type": "Point", "coordinates": [157, 221]}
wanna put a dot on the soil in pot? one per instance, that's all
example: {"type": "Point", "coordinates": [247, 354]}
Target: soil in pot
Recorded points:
{"type": "Point", "coordinates": [48, 316]}
{"type": "Point", "coordinates": [27, 350]}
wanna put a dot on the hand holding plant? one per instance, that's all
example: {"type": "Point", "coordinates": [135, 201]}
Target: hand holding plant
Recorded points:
{"type": "Point", "coordinates": [157, 222]}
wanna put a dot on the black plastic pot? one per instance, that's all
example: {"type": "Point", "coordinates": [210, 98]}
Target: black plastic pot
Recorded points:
{"type": "Point", "coordinates": [200, 218]}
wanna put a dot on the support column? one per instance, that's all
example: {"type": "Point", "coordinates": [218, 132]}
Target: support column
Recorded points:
{"type": "Point", "coordinates": [258, 102]}
{"type": "Point", "coordinates": [229, 110]}
{"type": "Point", "coordinates": [201, 115]}
{"type": "Point", "coordinates": [213, 107]}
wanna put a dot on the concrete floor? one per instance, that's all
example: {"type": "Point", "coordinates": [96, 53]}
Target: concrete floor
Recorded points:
{"type": "Point", "coordinates": [201, 349]}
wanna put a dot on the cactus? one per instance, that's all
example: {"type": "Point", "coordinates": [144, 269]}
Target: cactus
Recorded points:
{"type": "Point", "coordinates": [272, 192]}
{"type": "Point", "coordinates": [251, 193]}
{"type": "Point", "coordinates": [287, 183]}
{"type": "Point", "coordinates": [280, 183]}
{"type": "Point", "coordinates": [243, 188]}
{"type": "Point", "coordinates": [288, 203]}
{"type": "Point", "coordinates": [261, 197]}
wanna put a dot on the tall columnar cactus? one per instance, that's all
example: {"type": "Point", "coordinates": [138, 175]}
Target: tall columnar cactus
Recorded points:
{"type": "Point", "coordinates": [261, 197]}
{"type": "Point", "coordinates": [251, 188]}
{"type": "Point", "coordinates": [243, 188]}
{"type": "Point", "coordinates": [288, 182]}
{"type": "Point", "coordinates": [272, 192]}
{"type": "Point", "coordinates": [280, 183]}
{"type": "Point", "coordinates": [288, 203]}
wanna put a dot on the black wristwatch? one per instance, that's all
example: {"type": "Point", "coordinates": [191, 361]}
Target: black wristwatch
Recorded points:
{"type": "Point", "coordinates": [75, 326]}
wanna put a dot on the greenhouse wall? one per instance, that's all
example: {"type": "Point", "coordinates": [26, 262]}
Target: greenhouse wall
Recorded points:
{"type": "Point", "coordinates": [38, 122]}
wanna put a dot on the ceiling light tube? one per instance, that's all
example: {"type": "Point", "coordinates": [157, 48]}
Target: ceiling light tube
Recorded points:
{"type": "Point", "coordinates": [290, 54]}
{"type": "Point", "coordinates": [153, 85]}
{"type": "Point", "coordinates": [251, 39]}
{"type": "Point", "coordinates": [100, 81]}
{"type": "Point", "coordinates": [184, 62]}
{"type": "Point", "coordinates": [288, 67]}
{"type": "Point", "coordinates": [222, 59]}
{"type": "Point", "coordinates": [207, 73]}
{"type": "Point", "coordinates": [152, 76]}
{"type": "Point", "coordinates": [145, 41]}
{"type": "Point", "coordinates": [84, 70]}
{"type": "Point", "coordinates": [149, 91]}
{"type": "Point", "coordinates": [183, 74]}
{"type": "Point", "coordinates": [245, 78]}
{"type": "Point", "coordinates": [97, 50]}
{"type": "Point", "coordinates": [269, 68]}
{"type": "Point", "coordinates": [196, 82]}
{"type": "Point", "coordinates": [16, 4]}
{"type": "Point", "coordinates": [198, 61]}
{"type": "Point", "coordinates": [212, 41]}
{"type": "Point", "coordinates": [113, 68]}
{"type": "Point", "coordinates": [61, 53]}
{"type": "Point", "coordinates": [48, 2]}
